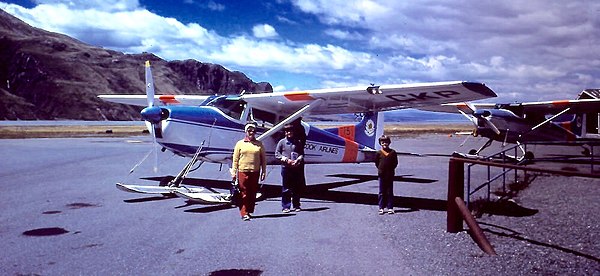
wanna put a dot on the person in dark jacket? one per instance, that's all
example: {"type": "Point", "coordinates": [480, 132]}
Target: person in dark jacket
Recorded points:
{"type": "Point", "coordinates": [290, 152]}
{"type": "Point", "coordinates": [386, 162]}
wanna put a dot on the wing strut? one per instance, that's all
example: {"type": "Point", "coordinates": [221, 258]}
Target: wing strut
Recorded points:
{"type": "Point", "coordinates": [551, 118]}
{"type": "Point", "coordinates": [290, 119]}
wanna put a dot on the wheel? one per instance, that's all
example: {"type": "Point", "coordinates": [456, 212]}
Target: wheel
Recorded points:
{"type": "Point", "coordinates": [586, 152]}
{"type": "Point", "coordinates": [529, 155]}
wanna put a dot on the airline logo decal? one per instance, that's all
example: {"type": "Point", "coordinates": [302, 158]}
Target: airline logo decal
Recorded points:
{"type": "Point", "coordinates": [370, 128]}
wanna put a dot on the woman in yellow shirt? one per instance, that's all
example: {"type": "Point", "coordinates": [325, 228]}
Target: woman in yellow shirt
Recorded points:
{"type": "Point", "coordinates": [249, 164]}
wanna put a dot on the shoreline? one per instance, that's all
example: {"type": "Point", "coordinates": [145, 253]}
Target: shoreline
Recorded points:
{"type": "Point", "coordinates": [394, 129]}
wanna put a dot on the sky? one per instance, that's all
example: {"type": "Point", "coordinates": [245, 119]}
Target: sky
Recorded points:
{"type": "Point", "coordinates": [523, 50]}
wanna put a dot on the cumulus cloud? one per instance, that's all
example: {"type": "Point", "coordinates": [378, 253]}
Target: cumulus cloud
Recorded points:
{"type": "Point", "coordinates": [264, 31]}
{"type": "Point", "coordinates": [519, 50]}
{"type": "Point", "coordinates": [108, 5]}
{"type": "Point", "coordinates": [344, 35]}
{"type": "Point", "coordinates": [505, 43]}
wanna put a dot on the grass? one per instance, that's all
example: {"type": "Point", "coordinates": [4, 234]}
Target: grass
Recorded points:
{"type": "Point", "coordinates": [21, 132]}
{"type": "Point", "coordinates": [402, 130]}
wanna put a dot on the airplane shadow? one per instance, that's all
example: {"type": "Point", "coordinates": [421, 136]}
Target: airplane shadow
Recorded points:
{"type": "Point", "coordinates": [273, 216]}
{"type": "Point", "coordinates": [508, 208]}
{"type": "Point", "coordinates": [206, 209]}
{"type": "Point", "coordinates": [502, 232]}
{"type": "Point", "coordinates": [324, 192]}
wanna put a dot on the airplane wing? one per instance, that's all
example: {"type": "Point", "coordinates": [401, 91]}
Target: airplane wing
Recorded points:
{"type": "Point", "coordinates": [373, 98]}
{"type": "Point", "coordinates": [141, 100]}
{"type": "Point", "coordinates": [549, 107]}
{"type": "Point", "coordinates": [546, 107]}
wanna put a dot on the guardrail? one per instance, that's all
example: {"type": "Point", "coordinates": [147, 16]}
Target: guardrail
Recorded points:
{"type": "Point", "coordinates": [456, 183]}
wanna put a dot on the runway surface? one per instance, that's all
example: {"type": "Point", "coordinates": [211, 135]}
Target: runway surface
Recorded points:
{"type": "Point", "coordinates": [62, 215]}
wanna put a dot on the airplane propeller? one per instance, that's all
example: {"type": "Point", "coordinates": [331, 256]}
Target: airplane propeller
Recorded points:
{"type": "Point", "coordinates": [470, 111]}
{"type": "Point", "coordinates": [486, 116]}
{"type": "Point", "coordinates": [151, 114]}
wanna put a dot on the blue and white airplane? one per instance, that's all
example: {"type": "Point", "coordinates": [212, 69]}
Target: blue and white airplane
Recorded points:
{"type": "Point", "coordinates": [557, 121]}
{"type": "Point", "coordinates": [206, 128]}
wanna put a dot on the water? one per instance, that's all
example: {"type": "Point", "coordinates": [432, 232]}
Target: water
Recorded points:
{"type": "Point", "coordinates": [403, 116]}
{"type": "Point", "coordinates": [71, 123]}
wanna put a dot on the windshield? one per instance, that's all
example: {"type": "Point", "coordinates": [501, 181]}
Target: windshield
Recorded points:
{"type": "Point", "coordinates": [231, 107]}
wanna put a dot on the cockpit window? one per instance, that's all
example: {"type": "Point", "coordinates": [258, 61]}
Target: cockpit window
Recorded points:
{"type": "Point", "coordinates": [229, 106]}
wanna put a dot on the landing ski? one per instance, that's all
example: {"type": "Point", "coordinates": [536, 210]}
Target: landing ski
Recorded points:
{"type": "Point", "coordinates": [146, 189]}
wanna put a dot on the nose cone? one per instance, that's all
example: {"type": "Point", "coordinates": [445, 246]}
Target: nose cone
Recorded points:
{"type": "Point", "coordinates": [152, 114]}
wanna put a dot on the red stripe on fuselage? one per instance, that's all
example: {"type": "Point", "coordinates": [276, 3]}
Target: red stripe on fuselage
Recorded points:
{"type": "Point", "coordinates": [350, 151]}
{"type": "Point", "coordinates": [570, 136]}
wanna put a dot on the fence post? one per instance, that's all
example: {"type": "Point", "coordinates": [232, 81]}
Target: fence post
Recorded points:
{"type": "Point", "coordinates": [456, 187]}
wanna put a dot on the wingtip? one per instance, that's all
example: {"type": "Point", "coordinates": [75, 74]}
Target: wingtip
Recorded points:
{"type": "Point", "coordinates": [480, 88]}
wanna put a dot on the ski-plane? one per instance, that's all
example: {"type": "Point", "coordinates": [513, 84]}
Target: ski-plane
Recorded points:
{"type": "Point", "coordinates": [519, 123]}
{"type": "Point", "coordinates": [206, 128]}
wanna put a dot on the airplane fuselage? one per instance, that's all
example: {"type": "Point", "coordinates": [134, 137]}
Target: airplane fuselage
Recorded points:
{"type": "Point", "coordinates": [188, 128]}
{"type": "Point", "coordinates": [514, 128]}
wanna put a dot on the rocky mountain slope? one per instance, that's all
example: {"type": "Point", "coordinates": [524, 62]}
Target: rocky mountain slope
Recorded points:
{"type": "Point", "coordinates": [49, 76]}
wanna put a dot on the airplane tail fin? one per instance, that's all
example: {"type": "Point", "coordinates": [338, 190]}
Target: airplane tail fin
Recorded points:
{"type": "Point", "coordinates": [366, 132]}
{"type": "Point", "coordinates": [575, 125]}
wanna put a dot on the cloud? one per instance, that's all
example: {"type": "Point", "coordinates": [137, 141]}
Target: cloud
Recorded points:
{"type": "Point", "coordinates": [541, 50]}
{"type": "Point", "coordinates": [344, 35]}
{"type": "Point", "coordinates": [505, 43]}
{"type": "Point", "coordinates": [108, 5]}
{"type": "Point", "coordinates": [264, 31]}
{"type": "Point", "coordinates": [212, 5]}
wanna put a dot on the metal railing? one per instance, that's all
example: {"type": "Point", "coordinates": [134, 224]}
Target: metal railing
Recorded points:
{"type": "Point", "coordinates": [456, 181]}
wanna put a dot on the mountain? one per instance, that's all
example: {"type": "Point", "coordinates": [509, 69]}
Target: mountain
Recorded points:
{"type": "Point", "coordinates": [50, 76]}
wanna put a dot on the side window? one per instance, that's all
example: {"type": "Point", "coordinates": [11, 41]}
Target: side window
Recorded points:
{"type": "Point", "coordinates": [263, 118]}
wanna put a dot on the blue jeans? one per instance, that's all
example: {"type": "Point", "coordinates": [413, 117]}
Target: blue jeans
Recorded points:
{"type": "Point", "coordinates": [292, 186]}
{"type": "Point", "coordinates": [386, 191]}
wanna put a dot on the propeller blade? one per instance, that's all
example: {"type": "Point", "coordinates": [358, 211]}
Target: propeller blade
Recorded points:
{"type": "Point", "coordinates": [155, 153]}
{"type": "Point", "coordinates": [471, 118]}
{"type": "Point", "coordinates": [149, 85]}
{"type": "Point", "coordinates": [151, 126]}
{"type": "Point", "coordinates": [491, 125]}
{"type": "Point", "coordinates": [468, 110]}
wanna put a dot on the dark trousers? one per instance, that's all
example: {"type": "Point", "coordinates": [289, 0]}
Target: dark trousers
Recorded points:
{"type": "Point", "coordinates": [248, 184]}
{"type": "Point", "coordinates": [292, 186]}
{"type": "Point", "coordinates": [386, 191]}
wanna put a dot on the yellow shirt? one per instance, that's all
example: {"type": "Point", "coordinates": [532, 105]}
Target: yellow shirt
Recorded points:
{"type": "Point", "coordinates": [249, 156]}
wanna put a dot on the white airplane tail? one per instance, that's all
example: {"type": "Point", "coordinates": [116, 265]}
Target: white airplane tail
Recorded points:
{"type": "Point", "coordinates": [366, 132]}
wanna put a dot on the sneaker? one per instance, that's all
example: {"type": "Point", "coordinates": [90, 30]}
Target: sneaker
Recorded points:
{"type": "Point", "coordinates": [250, 215]}
{"type": "Point", "coordinates": [391, 211]}
{"type": "Point", "coordinates": [246, 218]}
{"type": "Point", "coordinates": [286, 210]}
{"type": "Point", "coordinates": [297, 209]}
{"type": "Point", "coordinates": [380, 211]}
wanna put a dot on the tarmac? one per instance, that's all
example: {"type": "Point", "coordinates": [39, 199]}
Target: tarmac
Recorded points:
{"type": "Point", "coordinates": [62, 215]}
